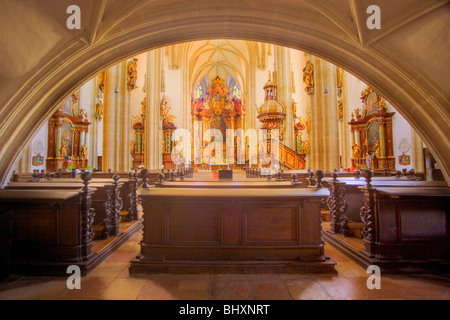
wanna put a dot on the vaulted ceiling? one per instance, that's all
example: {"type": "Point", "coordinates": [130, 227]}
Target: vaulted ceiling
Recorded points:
{"type": "Point", "coordinates": [41, 60]}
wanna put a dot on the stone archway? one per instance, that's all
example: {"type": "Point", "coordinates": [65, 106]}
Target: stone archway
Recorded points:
{"type": "Point", "coordinates": [113, 34]}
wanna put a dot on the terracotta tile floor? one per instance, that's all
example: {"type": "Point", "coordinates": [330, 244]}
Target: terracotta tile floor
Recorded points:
{"type": "Point", "coordinates": [111, 280]}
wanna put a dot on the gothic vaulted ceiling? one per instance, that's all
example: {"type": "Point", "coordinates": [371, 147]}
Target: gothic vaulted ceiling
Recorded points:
{"type": "Point", "coordinates": [41, 60]}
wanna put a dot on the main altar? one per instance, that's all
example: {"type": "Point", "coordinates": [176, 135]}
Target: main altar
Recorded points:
{"type": "Point", "coordinates": [219, 110]}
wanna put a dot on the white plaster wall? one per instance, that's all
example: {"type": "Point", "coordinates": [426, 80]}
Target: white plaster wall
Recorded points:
{"type": "Point", "coordinates": [39, 144]}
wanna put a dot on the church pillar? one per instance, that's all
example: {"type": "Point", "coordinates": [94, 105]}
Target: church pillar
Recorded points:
{"type": "Point", "coordinates": [324, 117]}
{"type": "Point", "coordinates": [116, 119]}
{"type": "Point", "coordinates": [250, 94]}
{"type": "Point", "coordinates": [153, 125]}
{"type": "Point", "coordinates": [282, 62]}
{"type": "Point", "coordinates": [93, 136]}
{"type": "Point", "coordinates": [186, 121]}
{"type": "Point", "coordinates": [24, 164]}
{"type": "Point", "coordinates": [417, 152]}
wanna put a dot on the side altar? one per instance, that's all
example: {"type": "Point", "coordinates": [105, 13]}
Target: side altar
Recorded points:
{"type": "Point", "coordinates": [67, 133]}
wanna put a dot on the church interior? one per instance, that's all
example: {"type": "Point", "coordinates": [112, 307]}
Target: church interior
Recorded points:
{"type": "Point", "coordinates": [224, 159]}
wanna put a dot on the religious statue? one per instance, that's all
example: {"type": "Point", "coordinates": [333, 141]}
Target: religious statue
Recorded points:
{"type": "Point", "coordinates": [101, 81]}
{"type": "Point", "coordinates": [305, 147]}
{"type": "Point", "coordinates": [381, 104]}
{"type": "Point", "coordinates": [300, 142]}
{"type": "Point", "coordinates": [132, 147]}
{"type": "Point", "coordinates": [143, 105]}
{"type": "Point", "coordinates": [356, 151]}
{"type": "Point", "coordinates": [83, 115]}
{"type": "Point", "coordinates": [132, 74]}
{"type": "Point", "coordinates": [84, 152]}
{"type": "Point", "coordinates": [63, 149]}
{"type": "Point", "coordinates": [339, 81]}
{"type": "Point", "coordinates": [308, 75]}
{"type": "Point", "coordinates": [74, 103]}
{"type": "Point", "coordinates": [99, 110]}
{"type": "Point", "coordinates": [341, 110]}
{"type": "Point", "coordinates": [376, 148]}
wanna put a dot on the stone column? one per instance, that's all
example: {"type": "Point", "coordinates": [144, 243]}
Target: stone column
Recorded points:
{"type": "Point", "coordinates": [324, 134]}
{"type": "Point", "coordinates": [417, 152]}
{"type": "Point", "coordinates": [153, 132]}
{"type": "Point", "coordinates": [116, 119]}
{"type": "Point", "coordinates": [282, 62]}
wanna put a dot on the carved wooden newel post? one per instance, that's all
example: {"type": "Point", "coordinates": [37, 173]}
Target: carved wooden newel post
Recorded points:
{"type": "Point", "coordinates": [367, 212]}
{"type": "Point", "coordinates": [337, 204]}
{"type": "Point", "coordinates": [87, 215]}
{"type": "Point", "coordinates": [113, 205]}
{"type": "Point", "coordinates": [134, 199]}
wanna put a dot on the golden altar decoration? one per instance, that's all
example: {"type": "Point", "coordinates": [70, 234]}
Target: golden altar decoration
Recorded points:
{"type": "Point", "coordinates": [372, 136]}
{"type": "Point", "coordinates": [67, 136]}
{"type": "Point", "coordinates": [137, 144]}
{"type": "Point", "coordinates": [219, 109]}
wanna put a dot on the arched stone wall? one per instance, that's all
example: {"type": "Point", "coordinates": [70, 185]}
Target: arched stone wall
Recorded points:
{"type": "Point", "coordinates": [423, 102]}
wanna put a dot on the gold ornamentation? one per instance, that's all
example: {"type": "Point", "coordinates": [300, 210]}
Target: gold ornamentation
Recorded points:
{"type": "Point", "coordinates": [84, 152]}
{"type": "Point", "coordinates": [381, 104]}
{"type": "Point", "coordinates": [308, 75]}
{"type": "Point", "coordinates": [99, 110]}
{"type": "Point", "coordinates": [62, 151]}
{"type": "Point", "coordinates": [356, 152]}
{"type": "Point", "coordinates": [101, 81]}
{"type": "Point", "coordinates": [132, 74]}
{"type": "Point", "coordinates": [341, 110]}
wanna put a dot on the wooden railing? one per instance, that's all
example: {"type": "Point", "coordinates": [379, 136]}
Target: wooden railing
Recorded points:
{"type": "Point", "coordinates": [291, 159]}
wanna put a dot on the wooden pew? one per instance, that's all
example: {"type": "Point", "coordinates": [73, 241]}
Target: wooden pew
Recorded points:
{"type": "Point", "coordinates": [406, 226]}
{"type": "Point", "coordinates": [354, 196]}
{"type": "Point", "coordinates": [108, 200]}
{"type": "Point", "coordinates": [51, 229]}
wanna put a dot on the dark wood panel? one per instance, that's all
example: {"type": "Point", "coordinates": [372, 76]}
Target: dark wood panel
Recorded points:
{"type": "Point", "coordinates": [193, 225]}
{"type": "Point", "coordinates": [208, 229]}
{"type": "Point", "coordinates": [271, 224]}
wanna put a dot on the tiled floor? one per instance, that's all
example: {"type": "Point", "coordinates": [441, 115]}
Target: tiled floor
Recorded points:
{"type": "Point", "coordinates": [111, 280]}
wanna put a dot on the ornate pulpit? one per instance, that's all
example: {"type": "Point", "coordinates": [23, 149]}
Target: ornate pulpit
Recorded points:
{"type": "Point", "coordinates": [67, 134]}
{"type": "Point", "coordinates": [371, 130]}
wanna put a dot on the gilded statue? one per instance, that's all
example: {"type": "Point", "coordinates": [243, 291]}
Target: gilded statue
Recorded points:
{"type": "Point", "coordinates": [83, 114]}
{"type": "Point", "coordinates": [101, 81]}
{"type": "Point", "coordinates": [308, 123]}
{"type": "Point", "coordinates": [132, 74]}
{"type": "Point", "coordinates": [308, 74]}
{"type": "Point", "coordinates": [341, 109]}
{"type": "Point", "coordinates": [305, 147]}
{"type": "Point", "coordinates": [99, 110]}
{"type": "Point", "coordinates": [356, 151]}
{"type": "Point", "coordinates": [132, 147]}
{"type": "Point", "coordinates": [376, 148]}
{"type": "Point", "coordinates": [62, 149]}
{"type": "Point", "coordinates": [84, 152]}
{"type": "Point", "coordinates": [143, 105]}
